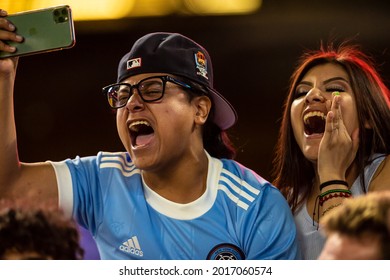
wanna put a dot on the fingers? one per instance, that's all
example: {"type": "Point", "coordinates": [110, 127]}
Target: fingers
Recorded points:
{"type": "Point", "coordinates": [3, 13]}
{"type": "Point", "coordinates": [335, 130]}
{"type": "Point", "coordinates": [7, 33]}
{"type": "Point", "coordinates": [333, 118]}
{"type": "Point", "coordinates": [329, 122]}
{"type": "Point", "coordinates": [336, 109]}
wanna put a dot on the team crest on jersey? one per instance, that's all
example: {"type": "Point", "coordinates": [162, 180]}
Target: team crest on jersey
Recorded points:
{"type": "Point", "coordinates": [201, 64]}
{"type": "Point", "coordinates": [226, 251]}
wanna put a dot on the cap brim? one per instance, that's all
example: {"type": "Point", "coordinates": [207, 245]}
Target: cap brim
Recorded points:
{"type": "Point", "coordinates": [224, 116]}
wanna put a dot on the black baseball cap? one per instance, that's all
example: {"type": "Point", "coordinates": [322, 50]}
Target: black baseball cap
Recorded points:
{"type": "Point", "coordinates": [178, 55]}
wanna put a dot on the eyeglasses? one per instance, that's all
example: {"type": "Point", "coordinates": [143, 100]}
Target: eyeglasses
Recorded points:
{"type": "Point", "coordinates": [149, 89]}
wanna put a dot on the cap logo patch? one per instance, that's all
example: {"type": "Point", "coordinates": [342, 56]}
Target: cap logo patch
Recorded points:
{"type": "Point", "coordinates": [201, 64]}
{"type": "Point", "coordinates": [133, 63]}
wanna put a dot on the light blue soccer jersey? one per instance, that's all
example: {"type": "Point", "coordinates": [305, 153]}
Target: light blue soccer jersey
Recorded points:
{"type": "Point", "coordinates": [240, 215]}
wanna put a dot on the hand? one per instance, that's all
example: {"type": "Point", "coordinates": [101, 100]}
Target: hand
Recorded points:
{"type": "Point", "coordinates": [337, 149]}
{"type": "Point", "coordinates": [7, 33]}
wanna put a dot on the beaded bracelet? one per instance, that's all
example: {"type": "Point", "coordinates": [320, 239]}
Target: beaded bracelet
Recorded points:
{"type": "Point", "coordinates": [333, 182]}
{"type": "Point", "coordinates": [334, 194]}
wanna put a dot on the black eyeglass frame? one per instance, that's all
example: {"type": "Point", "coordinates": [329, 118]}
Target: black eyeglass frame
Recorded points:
{"type": "Point", "coordinates": [164, 79]}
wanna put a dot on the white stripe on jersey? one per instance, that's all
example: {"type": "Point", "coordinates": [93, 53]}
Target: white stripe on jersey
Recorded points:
{"type": "Point", "coordinates": [240, 182]}
{"type": "Point", "coordinates": [247, 192]}
{"type": "Point", "coordinates": [236, 189]}
{"type": "Point", "coordinates": [119, 162]}
{"type": "Point", "coordinates": [118, 157]}
{"type": "Point", "coordinates": [120, 167]}
{"type": "Point", "coordinates": [234, 198]}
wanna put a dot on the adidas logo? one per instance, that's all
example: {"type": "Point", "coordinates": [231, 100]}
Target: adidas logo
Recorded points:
{"type": "Point", "coordinates": [132, 246]}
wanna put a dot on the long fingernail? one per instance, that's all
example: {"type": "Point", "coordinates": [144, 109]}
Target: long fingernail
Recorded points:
{"type": "Point", "coordinates": [336, 93]}
{"type": "Point", "coordinates": [11, 27]}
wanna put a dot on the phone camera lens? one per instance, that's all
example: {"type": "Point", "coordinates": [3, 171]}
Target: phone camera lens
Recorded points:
{"type": "Point", "coordinates": [61, 15]}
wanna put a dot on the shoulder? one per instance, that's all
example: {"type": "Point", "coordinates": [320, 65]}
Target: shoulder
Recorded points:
{"type": "Point", "coordinates": [245, 180]}
{"type": "Point", "coordinates": [112, 156]}
{"type": "Point", "coordinates": [381, 179]}
{"type": "Point", "coordinates": [236, 172]}
{"type": "Point", "coordinates": [102, 160]}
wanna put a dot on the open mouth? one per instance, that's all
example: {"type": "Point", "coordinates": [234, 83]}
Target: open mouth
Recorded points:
{"type": "Point", "coordinates": [314, 122]}
{"type": "Point", "coordinates": [141, 133]}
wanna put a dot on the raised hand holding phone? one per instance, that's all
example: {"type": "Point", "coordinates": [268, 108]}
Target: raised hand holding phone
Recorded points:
{"type": "Point", "coordinates": [37, 31]}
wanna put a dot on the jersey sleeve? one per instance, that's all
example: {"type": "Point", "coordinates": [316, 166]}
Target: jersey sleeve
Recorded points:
{"type": "Point", "coordinates": [80, 192]}
{"type": "Point", "coordinates": [264, 221]}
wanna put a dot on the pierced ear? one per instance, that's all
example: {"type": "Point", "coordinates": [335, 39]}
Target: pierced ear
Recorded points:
{"type": "Point", "coordinates": [202, 109]}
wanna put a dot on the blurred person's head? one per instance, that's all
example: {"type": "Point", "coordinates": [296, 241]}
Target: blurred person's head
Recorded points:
{"type": "Point", "coordinates": [37, 233]}
{"type": "Point", "coordinates": [359, 229]}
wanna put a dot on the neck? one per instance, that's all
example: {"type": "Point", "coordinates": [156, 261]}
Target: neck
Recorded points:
{"type": "Point", "coordinates": [183, 182]}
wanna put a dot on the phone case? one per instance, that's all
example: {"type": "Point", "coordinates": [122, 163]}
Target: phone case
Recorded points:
{"type": "Point", "coordinates": [43, 30]}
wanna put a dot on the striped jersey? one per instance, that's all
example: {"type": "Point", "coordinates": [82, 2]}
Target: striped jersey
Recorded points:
{"type": "Point", "coordinates": [240, 215]}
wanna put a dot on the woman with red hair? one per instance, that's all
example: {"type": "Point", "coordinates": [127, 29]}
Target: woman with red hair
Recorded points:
{"type": "Point", "coordinates": [334, 138]}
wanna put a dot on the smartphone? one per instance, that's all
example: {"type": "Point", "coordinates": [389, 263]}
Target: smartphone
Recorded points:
{"type": "Point", "coordinates": [43, 30]}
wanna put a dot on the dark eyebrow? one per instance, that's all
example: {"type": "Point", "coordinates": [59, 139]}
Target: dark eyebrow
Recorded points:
{"type": "Point", "coordinates": [305, 83]}
{"type": "Point", "coordinates": [335, 79]}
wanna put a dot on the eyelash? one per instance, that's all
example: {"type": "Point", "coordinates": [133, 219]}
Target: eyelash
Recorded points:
{"type": "Point", "coordinates": [330, 89]}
